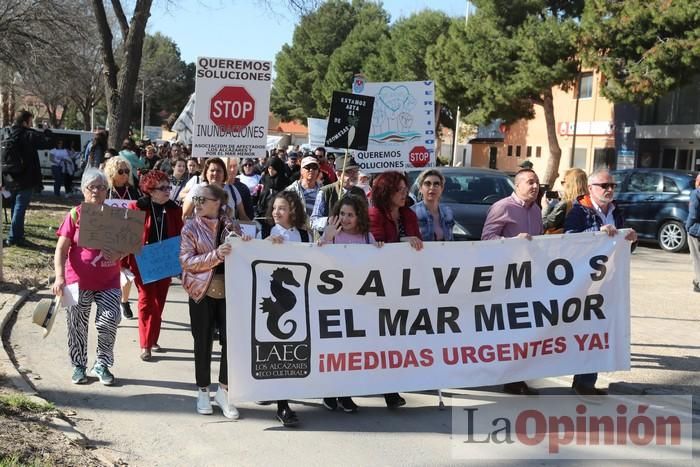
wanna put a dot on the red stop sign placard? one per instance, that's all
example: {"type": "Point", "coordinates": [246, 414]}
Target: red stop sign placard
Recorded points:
{"type": "Point", "coordinates": [232, 107]}
{"type": "Point", "coordinates": [419, 156]}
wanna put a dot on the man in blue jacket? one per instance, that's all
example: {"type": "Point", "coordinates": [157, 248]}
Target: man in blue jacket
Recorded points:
{"type": "Point", "coordinates": [692, 226]}
{"type": "Point", "coordinates": [594, 212]}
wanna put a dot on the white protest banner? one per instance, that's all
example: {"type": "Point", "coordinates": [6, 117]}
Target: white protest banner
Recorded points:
{"type": "Point", "coordinates": [402, 135]}
{"type": "Point", "coordinates": [317, 131]}
{"type": "Point", "coordinates": [305, 321]}
{"type": "Point", "coordinates": [232, 102]}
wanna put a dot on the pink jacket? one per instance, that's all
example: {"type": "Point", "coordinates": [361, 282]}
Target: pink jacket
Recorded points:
{"type": "Point", "coordinates": [198, 253]}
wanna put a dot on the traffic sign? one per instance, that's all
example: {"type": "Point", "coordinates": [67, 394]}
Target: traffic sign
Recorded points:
{"type": "Point", "coordinates": [419, 156]}
{"type": "Point", "coordinates": [232, 107]}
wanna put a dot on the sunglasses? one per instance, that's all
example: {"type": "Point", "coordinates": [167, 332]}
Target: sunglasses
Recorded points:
{"type": "Point", "coordinates": [311, 167]}
{"type": "Point", "coordinates": [428, 184]}
{"type": "Point", "coordinates": [123, 171]}
{"type": "Point", "coordinates": [163, 188]}
{"type": "Point", "coordinates": [605, 186]}
{"type": "Point", "coordinates": [247, 165]}
{"type": "Point", "coordinates": [201, 199]}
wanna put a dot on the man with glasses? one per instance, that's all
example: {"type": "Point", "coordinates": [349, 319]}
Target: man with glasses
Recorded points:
{"type": "Point", "coordinates": [326, 167]}
{"type": "Point", "coordinates": [596, 212]}
{"type": "Point", "coordinates": [308, 186]}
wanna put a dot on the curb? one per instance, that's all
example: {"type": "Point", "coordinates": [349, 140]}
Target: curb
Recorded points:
{"type": "Point", "coordinates": [15, 378]}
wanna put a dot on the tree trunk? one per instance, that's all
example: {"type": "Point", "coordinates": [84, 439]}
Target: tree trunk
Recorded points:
{"type": "Point", "coordinates": [85, 113]}
{"type": "Point", "coordinates": [552, 171]}
{"type": "Point", "coordinates": [120, 85]}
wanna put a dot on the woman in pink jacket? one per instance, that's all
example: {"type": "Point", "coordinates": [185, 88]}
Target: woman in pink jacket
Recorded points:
{"type": "Point", "coordinates": [202, 252]}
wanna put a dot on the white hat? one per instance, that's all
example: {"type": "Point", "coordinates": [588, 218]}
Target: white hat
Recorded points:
{"type": "Point", "coordinates": [45, 314]}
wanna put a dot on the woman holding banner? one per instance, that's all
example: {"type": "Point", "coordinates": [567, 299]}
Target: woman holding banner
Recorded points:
{"type": "Point", "coordinates": [121, 192]}
{"type": "Point", "coordinates": [434, 220]}
{"type": "Point", "coordinates": [94, 277]}
{"type": "Point", "coordinates": [202, 253]}
{"type": "Point", "coordinates": [163, 221]}
{"type": "Point", "coordinates": [390, 222]}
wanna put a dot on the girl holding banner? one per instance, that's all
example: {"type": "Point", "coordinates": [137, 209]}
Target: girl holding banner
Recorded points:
{"type": "Point", "coordinates": [121, 192]}
{"type": "Point", "coordinates": [163, 221]}
{"type": "Point", "coordinates": [202, 253]}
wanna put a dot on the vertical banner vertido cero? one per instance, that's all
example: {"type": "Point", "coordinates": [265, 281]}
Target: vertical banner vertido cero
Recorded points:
{"type": "Point", "coordinates": [232, 102]}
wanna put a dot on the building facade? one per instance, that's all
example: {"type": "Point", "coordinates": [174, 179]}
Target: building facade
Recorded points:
{"type": "Point", "coordinates": [584, 126]}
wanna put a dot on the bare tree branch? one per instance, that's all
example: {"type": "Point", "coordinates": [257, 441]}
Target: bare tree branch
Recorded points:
{"type": "Point", "coordinates": [121, 18]}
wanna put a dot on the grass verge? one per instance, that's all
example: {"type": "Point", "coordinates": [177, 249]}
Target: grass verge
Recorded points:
{"type": "Point", "coordinates": [32, 266]}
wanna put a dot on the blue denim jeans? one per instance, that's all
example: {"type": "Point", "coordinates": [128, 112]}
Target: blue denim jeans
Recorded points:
{"type": "Point", "coordinates": [586, 380]}
{"type": "Point", "coordinates": [57, 173]}
{"type": "Point", "coordinates": [19, 202]}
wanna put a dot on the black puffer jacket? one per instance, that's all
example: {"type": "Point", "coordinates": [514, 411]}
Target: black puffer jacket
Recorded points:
{"type": "Point", "coordinates": [29, 142]}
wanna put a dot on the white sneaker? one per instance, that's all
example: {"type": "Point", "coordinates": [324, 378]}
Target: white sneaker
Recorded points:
{"type": "Point", "coordinates": [204, 402]}
{"type": "Point", "coordinates": [221, 399]}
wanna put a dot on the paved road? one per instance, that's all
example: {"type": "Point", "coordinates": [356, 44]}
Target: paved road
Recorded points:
{"type": "Point", "coordinates": [148, 418]}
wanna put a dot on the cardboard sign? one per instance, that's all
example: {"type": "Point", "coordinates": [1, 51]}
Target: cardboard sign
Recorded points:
{"type": "Point", "coordinates": [159, 260]}
{"type": "Point", "coordinates": [349, 121]}
{"type": "Point", "coordinates": [111, 228]}
{"type": "Point", "coordinates": [231, 107]}
{"type": "Point", "coordinates": [402, 134]}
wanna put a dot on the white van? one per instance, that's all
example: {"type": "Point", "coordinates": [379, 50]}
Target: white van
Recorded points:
{"type": "Point", "coordinates": [76, 139]}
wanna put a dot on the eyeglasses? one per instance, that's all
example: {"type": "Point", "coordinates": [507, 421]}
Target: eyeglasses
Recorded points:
{"type": "Point", "coordinates": [97, 188]}
{"type": "Point", "coordinates": [428, 184]}
{"type": "Point", "coordinates": [201, 199]}
{"type": "Point", "coordinates": [605, 186]}
{"type": "Point", "coordinates": [163, 188]}
{"type": "Point", "coordinates": [123, 171]}
{"type": "Point", "coordinates": [311, 167]}
{"type": "Point", "coordinates": [247, 165]}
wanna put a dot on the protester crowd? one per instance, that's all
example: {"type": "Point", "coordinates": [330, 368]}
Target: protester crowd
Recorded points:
{"type": "Point", "coordinates": [288, 197]}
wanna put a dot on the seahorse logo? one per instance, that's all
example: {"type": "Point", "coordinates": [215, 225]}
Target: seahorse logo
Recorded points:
{"type": "Point", "coordinates": [284, 301]}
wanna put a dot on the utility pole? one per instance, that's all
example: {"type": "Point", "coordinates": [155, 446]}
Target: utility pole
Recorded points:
{"type": "Point", "coordinates": [459, 113]}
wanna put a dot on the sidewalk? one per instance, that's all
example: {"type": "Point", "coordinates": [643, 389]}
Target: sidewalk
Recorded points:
{"type": "Point", "coordinates": [148, 417]}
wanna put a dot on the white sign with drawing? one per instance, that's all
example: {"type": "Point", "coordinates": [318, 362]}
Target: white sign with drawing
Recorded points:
{"type": "Point", "coordinates": [402, 135]}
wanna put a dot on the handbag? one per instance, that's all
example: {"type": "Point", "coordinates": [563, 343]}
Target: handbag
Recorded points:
{"type": "Point", "coordinates": [217, 287]}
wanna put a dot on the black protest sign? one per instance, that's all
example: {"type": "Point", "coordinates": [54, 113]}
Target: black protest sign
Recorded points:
{"type": "Point", "coordinates": [349, 121]}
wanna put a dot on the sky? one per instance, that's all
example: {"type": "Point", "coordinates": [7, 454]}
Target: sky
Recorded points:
{"type": "Point", "coordinates": [245, 29]}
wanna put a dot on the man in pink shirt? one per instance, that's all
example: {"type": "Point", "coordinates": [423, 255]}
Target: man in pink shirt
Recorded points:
{"type": "Point", "coordinates": [519, 216]}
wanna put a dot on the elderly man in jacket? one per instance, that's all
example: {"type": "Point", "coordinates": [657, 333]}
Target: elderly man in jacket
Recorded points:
{"type": "Point", "coordinates": [596, 212]}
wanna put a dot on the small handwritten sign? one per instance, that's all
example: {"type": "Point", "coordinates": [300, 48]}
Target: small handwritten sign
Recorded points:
{"type": "Point", "coordinates": [118, 203]}
{"type": "Point", "coordinates": [112, 228]}
{"type": "Point", "coordinates": [159, 260]}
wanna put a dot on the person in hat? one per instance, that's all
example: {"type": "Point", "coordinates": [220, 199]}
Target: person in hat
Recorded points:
{"type": "Point", "coordinates": [346, 172]}
{"type": "Point", "coordinates": [327, 167]}
{"type": "Point", "coordinates": [308, 186]}
{"type": "Point", "coordinates": [292, 168]}
{"type": "Point", "coordinates": [96, 271]}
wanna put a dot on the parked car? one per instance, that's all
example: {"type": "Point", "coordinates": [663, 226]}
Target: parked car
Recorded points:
{"type": "Point", "coordinates": [655, 204]}
{"type": "Point", "coordinates": [469, 192]}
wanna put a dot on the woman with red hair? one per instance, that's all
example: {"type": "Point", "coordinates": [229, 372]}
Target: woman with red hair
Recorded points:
{"type": "Point", "coordinates": [163, 220]}
{"type": "Point", "coordinates": [391, 221]}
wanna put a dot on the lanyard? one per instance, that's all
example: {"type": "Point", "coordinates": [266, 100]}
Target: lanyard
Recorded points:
{"type": "Point", "coordinates": [159, 231]}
